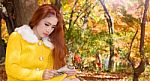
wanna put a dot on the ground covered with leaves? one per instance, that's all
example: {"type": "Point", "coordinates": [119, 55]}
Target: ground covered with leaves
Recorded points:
{"type": "Point", "coordinates": [102, 76]}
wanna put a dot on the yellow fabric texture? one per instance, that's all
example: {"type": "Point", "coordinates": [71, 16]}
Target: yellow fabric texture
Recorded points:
{"type": "Point", "coordinates": [26, 61]}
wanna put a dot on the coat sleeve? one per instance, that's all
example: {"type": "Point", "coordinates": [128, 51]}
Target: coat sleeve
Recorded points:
{"type": "Point", "coordinates": [12, 64]}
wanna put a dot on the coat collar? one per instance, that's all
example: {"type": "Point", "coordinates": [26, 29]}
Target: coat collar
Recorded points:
{"type": "Point", "coordinates": [28, 35]}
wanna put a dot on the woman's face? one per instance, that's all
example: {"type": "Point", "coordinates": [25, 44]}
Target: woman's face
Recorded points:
{"type": "Point", "coordinates": [46, 26]}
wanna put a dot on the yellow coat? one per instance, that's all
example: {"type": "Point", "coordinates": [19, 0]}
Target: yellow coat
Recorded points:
{"type": "Point", "coordinates": [26, 61]}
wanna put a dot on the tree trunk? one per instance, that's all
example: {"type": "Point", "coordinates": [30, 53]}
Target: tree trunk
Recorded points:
{"type": "Point", "coordinates": [8, 16]}
{"type": "Point", "coordinates": [141, 67]}
{"type": "Point", "coordinates": [24, 10]}
{"type": "Point", "coordinates": [58, 4]}
{"type": "Point", "coordinates": [139, 70]}
{"type": "Point", "coordinates": [135, 77]}
{"type": "Point", "coordinates": [110, 58]}
{"type": "Point", "coordinates": [2, 43]}
{"type": "Point", "coordinates": [111, 32]}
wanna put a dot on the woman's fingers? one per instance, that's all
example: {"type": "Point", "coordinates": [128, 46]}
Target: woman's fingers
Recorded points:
{"type": "Point", "coordinates": [71, 72]}
{"type": "Point", "coordinates": [47, 74]}
{"type": "Point", "coordinates": [52, 72]}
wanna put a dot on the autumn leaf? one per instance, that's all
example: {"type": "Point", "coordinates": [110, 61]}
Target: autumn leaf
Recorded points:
{"type": "Point", "coordinates": [4, 34]}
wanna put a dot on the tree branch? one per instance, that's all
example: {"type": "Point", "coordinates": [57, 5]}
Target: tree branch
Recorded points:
{"type": "Point", "coordinates": [72, 12]}
{"type": "Point", "coordinates": [129, 52]}
{"type": "Point", "coordinates": [108, 17]}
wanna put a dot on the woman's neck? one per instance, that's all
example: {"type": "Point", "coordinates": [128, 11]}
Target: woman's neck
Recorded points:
{"type": "Point", "coordinates": [36, 33]}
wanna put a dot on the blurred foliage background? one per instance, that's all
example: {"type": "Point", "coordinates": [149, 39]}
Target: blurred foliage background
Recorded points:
{"type": "Point", "coordinates": [87, 33]}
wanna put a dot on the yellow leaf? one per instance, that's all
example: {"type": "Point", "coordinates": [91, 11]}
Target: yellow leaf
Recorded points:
{"type": "Point", "coordinates": [4, 32]}
{"type": "Point", "coordinates": [52, 1]}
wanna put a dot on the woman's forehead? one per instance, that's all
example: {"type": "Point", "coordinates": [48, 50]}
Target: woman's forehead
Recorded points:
{"type": "Point", "coordinates": [50, 19]}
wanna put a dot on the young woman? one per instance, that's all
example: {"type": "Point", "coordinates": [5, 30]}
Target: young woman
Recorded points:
{"type": "Point", "coordinates": [35, 51]}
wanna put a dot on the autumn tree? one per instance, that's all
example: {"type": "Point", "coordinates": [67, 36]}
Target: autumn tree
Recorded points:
{"type": "Point", "coordinates": [2, 47]}
{"type": "Point", "coordinates": [23, 10]}
{"type": "Point", "coordinates": [141, 67]}
{"type": "Point", "coordinates": [111, 32]}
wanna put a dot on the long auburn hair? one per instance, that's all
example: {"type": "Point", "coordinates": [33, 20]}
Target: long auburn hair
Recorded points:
{"type": "Point", "coordinates": [57, 36]}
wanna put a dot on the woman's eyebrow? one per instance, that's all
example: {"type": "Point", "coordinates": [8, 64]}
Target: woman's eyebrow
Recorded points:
{"type": "Point", "coordinates": [50, 24]}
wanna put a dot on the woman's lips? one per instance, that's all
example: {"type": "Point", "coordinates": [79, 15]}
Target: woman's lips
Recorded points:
{"type": "Point", "coordinates": [45, 34]}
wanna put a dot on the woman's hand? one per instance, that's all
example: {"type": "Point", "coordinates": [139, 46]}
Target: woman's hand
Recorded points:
{"type": "Point", "coordinates": [71, 72]}
{"type": "Point", "coordinates": [48, 74]}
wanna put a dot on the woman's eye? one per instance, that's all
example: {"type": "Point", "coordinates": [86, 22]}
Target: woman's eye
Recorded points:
{"type": "Point", "coordinates": [46, 24]}
{"type": "Point", "coordinates": [53, 26]}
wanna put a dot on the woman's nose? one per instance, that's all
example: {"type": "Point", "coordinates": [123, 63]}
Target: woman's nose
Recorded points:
{"type": "Point", "coordinates": [48, 29]}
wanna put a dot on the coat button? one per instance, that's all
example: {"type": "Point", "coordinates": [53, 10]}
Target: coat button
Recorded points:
{"type": "Point", "coordinates": [37, 69]}
{"type": "Point", "coordinates": [40, 43]}
{"type": "Point", "coordinates": [41, 58]}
